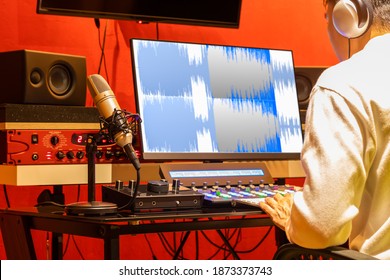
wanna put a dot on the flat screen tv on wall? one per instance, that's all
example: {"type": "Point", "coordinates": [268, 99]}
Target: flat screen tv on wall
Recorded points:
{"type": "Point", "coordinates": [219, 13]}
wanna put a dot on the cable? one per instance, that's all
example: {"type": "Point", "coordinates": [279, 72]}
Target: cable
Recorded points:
{"type": "Point", "coordinates": [232, 250]}
{"type": "Point", "coordinates": [259, 243]}
{"type": "Point", "coordinates": [66, 246]}
{"type": "Point", "coordinates": [150, 247]}
{"type": "Point", "coordinates": [6, 195]}
{"type": "Point", "coordinates": [235, 236]}
{"type": "Point", "coordinates": [130, 203]}
{"type": "Point", "coordinates": [164, 242]}
{"type": "Point", "coordinates": [172, 249]}
{"type": "Point", "coordinates": [78, 192]}
{"type": "Point", "coordinates": [102, 46]}
{"type": "Point", "coordinates": [229, 251]}
{"type": "Point", "coordinates": [77, 248]}
{"type": "Point", "coordinates": [223, 246]}
{"type": "Point", "coordinates": [157, 32]}
{"type": "Point", "coordinates": [349, 47]}
{"type": "Point", "coordinates": [69, 235]}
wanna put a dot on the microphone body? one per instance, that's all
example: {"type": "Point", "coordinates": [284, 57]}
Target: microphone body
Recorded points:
{"type": "Point", "coordinates": [109, 109]}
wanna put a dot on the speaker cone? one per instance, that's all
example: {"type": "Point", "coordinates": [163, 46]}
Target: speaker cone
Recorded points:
{"type": "Point", "coordinates": [59, 80]}
{"type": "Point", "coordinates": [304, 87]}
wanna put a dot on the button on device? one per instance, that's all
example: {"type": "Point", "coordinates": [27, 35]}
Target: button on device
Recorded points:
{"type": "Point", "coordinates": [34, 139]}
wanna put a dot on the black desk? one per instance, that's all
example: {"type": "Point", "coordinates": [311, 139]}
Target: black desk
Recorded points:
{"type": "Point", "coordinates": [16, 225]}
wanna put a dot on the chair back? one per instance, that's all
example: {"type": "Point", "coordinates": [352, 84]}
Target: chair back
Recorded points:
{"type": "Point", "coordinates": [294, 252]}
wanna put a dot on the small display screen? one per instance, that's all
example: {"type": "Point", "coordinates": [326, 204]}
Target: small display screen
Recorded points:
{"type": "Point", "coordinates": [82, 138]}
{"type": "Point", "coordinates": [215, 173]}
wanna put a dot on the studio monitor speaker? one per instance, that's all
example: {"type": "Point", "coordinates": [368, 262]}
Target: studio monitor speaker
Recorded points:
{"type": "Point", "coordinates": [35, 77]}
{"type": "Point", "coordinates": [305, 79]}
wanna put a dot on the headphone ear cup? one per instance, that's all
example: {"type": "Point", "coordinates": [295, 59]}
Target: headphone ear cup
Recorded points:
{"type": "Point", "coordinates": [352, 18]}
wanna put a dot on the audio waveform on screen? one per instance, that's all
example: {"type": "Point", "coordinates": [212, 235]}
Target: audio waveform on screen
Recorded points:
{"type": "Point", "coordinates": [206, 98]}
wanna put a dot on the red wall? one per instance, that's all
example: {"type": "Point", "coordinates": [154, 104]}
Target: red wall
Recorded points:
{"type": "Point", "coordinates": [297, 25]}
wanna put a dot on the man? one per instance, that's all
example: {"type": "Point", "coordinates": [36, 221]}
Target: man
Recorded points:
{"type": "Point", "coordinates": [346, 152]}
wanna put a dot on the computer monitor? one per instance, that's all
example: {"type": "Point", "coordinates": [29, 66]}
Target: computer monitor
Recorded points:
{"type": "Point", "coordinates": [215, 103]}
{"type": "Point", "coordinates": [219, 13]}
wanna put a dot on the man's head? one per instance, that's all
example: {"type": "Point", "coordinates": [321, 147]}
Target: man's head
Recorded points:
{"type": "Point", "coordinates": [381, 12]}
{"type": "Point", "coordinates": [351, 23]}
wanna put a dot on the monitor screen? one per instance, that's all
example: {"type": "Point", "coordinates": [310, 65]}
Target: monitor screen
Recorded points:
{"type": "Point", "coordinates": [220, 13]}
{"type": "Point", "coordinates": [215, 103]}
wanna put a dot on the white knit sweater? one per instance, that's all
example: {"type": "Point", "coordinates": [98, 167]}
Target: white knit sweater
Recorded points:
{"type": "Point", "coordinates": [346, 157]}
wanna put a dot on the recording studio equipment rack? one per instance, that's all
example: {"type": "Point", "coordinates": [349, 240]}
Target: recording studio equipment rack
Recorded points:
{"type": "Point", "coordinates": [54, 146]}
{"type": "Point", "coordinates": [42, 145]}
{"type": "Point", "coordinates": [47, 134]}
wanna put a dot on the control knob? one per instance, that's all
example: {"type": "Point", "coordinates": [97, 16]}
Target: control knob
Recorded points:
{"type": "Point", "coordinates": [60, 155]}
{"type": "Point", "coordinates": [54, 140]}
{"type": "Point", "coordinates": [80, 154]}
{"type": "Point", "coordinates": [99, 154]}
{"type": "Point", "coordinates": [109, 154]}
{"type": "Point", "coordinates": [70, 155]}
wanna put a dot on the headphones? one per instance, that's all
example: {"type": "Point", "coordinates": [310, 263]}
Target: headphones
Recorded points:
{"type": "Point", "coordinates": [352, 18]}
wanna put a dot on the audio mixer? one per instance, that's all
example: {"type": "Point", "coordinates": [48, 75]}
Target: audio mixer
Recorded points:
{"type": "Point", "coordinates": [185, 185]}
{"type": "Point", "coordinates": [240, 195]}
{"type": "Point", "coordinates": [171, 197]}
{"type": "Point", "coordinates": [245, 183]}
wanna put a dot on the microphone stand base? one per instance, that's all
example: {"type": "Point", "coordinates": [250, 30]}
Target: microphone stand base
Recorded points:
{"type": "Point", "coordinates": [91, 208]}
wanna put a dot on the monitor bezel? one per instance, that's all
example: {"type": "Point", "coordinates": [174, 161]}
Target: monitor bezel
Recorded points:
{"type": "Point", "coordinates": [216, 13]}
{"type": "Point", "coordinates": [205, 156]}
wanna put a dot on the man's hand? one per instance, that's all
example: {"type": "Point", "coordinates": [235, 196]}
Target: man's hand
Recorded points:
{"type": "Point", "coordinates": [278, 208]}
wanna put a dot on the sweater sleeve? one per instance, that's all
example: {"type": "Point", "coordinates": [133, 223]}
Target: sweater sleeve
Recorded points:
{"type": "Point", "coordinates": [334, 162]}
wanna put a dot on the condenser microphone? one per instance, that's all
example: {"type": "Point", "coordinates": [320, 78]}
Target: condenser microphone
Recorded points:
{"type": "Point", "coordinates": [108, 107]}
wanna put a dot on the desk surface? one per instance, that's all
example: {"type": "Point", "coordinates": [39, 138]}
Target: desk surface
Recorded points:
{"type": "Point", "coordinates": [16, 225]}
{"type": "Point", "coordinates": [128, 216]}
{"type": "Point", "coordinates": [145, 222]}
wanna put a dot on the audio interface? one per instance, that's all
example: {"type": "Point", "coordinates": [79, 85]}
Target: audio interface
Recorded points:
{"type": "Point", "coordinates": [147, 199]}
